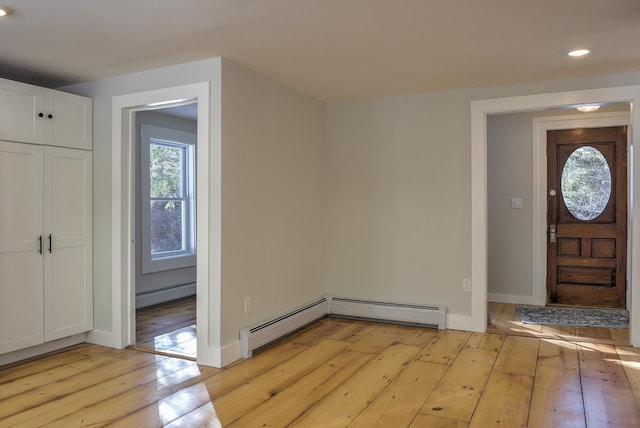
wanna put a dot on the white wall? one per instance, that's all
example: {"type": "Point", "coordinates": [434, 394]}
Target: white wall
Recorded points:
{"type": "Point", "coordinates": [510, 175]}
{"type": "Point", "coordinates": [395, 200]}
{"type": "Point", "coordinates": [102, 93]}
{"type": "Point", "coordinates": [398, 192]}
{"type": "Point", "coordinates": [398, 199]}
{"type": "Point", "coordinates": [272, 191]}
{"type": "Point", "coordinates": [272, 198]}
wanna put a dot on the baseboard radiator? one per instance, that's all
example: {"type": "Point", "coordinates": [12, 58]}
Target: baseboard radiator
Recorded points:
{"type": "Point", "coordinates": [260, 335]}
{"type": "Point", "coordinates": [164, 294]}
{"type": "Point", "coordinates": [423, 315]}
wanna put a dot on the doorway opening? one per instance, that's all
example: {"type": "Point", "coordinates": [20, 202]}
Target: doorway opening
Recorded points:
{"type": "Point", "coordinates": [482, 112]}
{"type": "Point", "coordinates": [165, 229]}
{"type": "Point", "coordinates": [207, 218]}
{"type": "Point", "coordinates": [518, 232]}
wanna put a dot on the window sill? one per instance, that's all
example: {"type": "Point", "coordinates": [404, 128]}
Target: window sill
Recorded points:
{"type": "Point", "coordinates": [169, 263]}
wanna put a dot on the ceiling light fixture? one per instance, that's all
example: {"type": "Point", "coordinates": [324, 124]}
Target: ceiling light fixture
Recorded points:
{"type": "Point", "coordinates": [164, 103]}
{"type": "Point", "coordinates": [3, 12]}
{"type": "Point", "coordinates": [588, 108]}
{"type": "Point", "coordinates": [579, 52]}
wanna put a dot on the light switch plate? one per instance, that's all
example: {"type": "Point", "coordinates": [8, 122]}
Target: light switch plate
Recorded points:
{"type": "Point", "coordinates": [516, 203]}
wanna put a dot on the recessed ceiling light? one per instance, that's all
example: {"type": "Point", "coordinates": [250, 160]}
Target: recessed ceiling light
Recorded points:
{"type": "Point", "coordinates": [3, 12]}
{"type": "Point", "coordinates": [588, 108]}
{"type": "Point", "coordinates": [579, 52]}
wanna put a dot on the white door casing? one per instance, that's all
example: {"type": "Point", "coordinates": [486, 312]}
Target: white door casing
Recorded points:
{"type": "Point", "coordinates": [208, 216]}
{"type": "Point", "coordinates": [480, 109]}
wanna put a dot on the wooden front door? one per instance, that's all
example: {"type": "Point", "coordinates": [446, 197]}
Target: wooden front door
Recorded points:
{"type": "Point", "coordinates": [587, 216]}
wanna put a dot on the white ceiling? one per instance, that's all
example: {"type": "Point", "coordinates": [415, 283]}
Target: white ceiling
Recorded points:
{"type": "Point", "coordinates": [329, 49]}
{"type": "Point", "coordinates": [186, 111]}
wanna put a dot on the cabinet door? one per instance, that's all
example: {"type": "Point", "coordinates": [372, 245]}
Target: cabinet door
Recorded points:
{"type": "Point", "coordinates": [68, 305]}
{"type": "Point", "coordinates": [67, 120]}
{"type": "Point", "coordinates": [20, 106]}
{"type": "Point", "coordinates": [21, 263]}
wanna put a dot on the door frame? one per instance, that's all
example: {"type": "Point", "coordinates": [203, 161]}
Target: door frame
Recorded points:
{"type": "Point", "coordinates": [540, 127]}
{"type": "Point", "coordinates": [480, 110]}
{"type": "Point", "coordinates": [208, 219]}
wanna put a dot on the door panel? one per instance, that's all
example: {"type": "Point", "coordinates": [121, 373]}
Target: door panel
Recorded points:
{"type": "Point", "coordinates": [21, 319]}
{"type": "Point", "coordinates": [70, 125]}
{"type": "Point", "coordinates": [586, 216]}
{"type": "Point", "coordinates": [68, 299]}
{"type": "Point", "coordinates": [20, 106]}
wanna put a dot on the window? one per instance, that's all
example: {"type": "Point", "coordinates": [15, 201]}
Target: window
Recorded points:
{"type": "Point", "coordinates": [168, 198]}
{"type": "Point", "coordinates": [586, 183]}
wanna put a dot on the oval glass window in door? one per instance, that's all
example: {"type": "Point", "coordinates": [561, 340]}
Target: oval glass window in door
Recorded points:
{"type": "Point", "coordinates": [586, 183]}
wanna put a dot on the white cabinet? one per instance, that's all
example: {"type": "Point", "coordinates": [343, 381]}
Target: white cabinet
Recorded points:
{"type": "Point", "coordinates": [21, 264]}
{"type": "Point", "coordinates": [45, 244]}
{"type": "Point", "coordinates": [36, 115]}
{"type": "Point", "coordinates": [46, 278]}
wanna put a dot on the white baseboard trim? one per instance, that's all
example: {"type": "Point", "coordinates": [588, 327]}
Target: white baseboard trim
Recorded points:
{"type": "Point", "coordinates": [512, 298]}
{"type": "Point", "coordinates": [209, 355]}
{"type": "Point", "coordinates": [230, 353]}
{"type": "Point", "coordinates": [464, 323]}
{"type": "Point", "coordinates": [163, 295]}
{"type": "Point", "coordinates": [219, 357]}
{"type": "Point", "coordinates": [34, 351]}
{"type": "Point", "coordinates": [99, 337]}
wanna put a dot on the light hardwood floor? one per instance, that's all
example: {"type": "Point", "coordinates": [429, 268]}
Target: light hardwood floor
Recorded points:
{"type": "Point", "coordinates": [337, 373]}
{"type": "Point", "coordinates": [504, 319]}
{"type": "Point", "coordinates": [168, 328]}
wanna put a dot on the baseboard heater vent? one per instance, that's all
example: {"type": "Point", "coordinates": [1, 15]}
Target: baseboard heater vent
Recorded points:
{"type": "Point", "coordinates": [259, 335]}
{"type": "Point", "coordinates": [165, 294]}
{"type": "Point", "coordinates": [424, 315]}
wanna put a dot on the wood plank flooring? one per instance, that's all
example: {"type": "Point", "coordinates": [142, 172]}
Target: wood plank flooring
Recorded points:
{"type": "Point", "coordinates": [504, 319]}
{"type": "Point", "coordinates": [337, 373]}
{"type": "Point", "coordinates": [168, 328]}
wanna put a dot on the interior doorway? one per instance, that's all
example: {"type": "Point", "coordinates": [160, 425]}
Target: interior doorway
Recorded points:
{"type": "Point", "coordinates": [164, 160]}
{"type": "Point", "coordinates": [208, 215]}
{"type": "Point", "coordinates": [517, 193]}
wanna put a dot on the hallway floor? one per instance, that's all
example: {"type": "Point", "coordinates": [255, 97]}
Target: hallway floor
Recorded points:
{"type": "Point", "coordinates": [168, 328]}
{"type": "Point", "coordinates": [504, 319]}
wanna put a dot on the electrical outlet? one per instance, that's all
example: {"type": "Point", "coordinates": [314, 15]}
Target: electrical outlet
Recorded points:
{"type": "Point", "coordinates": [247, 305]}
{"type": "Point", "coordinates": [466, 285]}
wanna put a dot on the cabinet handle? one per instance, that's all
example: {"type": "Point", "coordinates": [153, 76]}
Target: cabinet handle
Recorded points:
{"type": "Point", "coordinates": [50, 116]}
{"type": "Point", "coordinates": [40, 246]}
{"type": "Point", "coordinates": [49, 242]}
{"type": "Point", "coordinates": [40, 114]}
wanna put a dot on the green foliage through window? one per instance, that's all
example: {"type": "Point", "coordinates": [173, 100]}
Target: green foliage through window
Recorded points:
{"type": "Point", "coordinates": [586, 183]}
{"type": "Point", "coordinates": [167, 182]}
{"type": "Point", "coordinates": [166, 170]}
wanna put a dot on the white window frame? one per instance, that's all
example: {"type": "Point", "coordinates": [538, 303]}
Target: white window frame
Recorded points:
{"type": "Point", "coordinates": [187, 257]}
